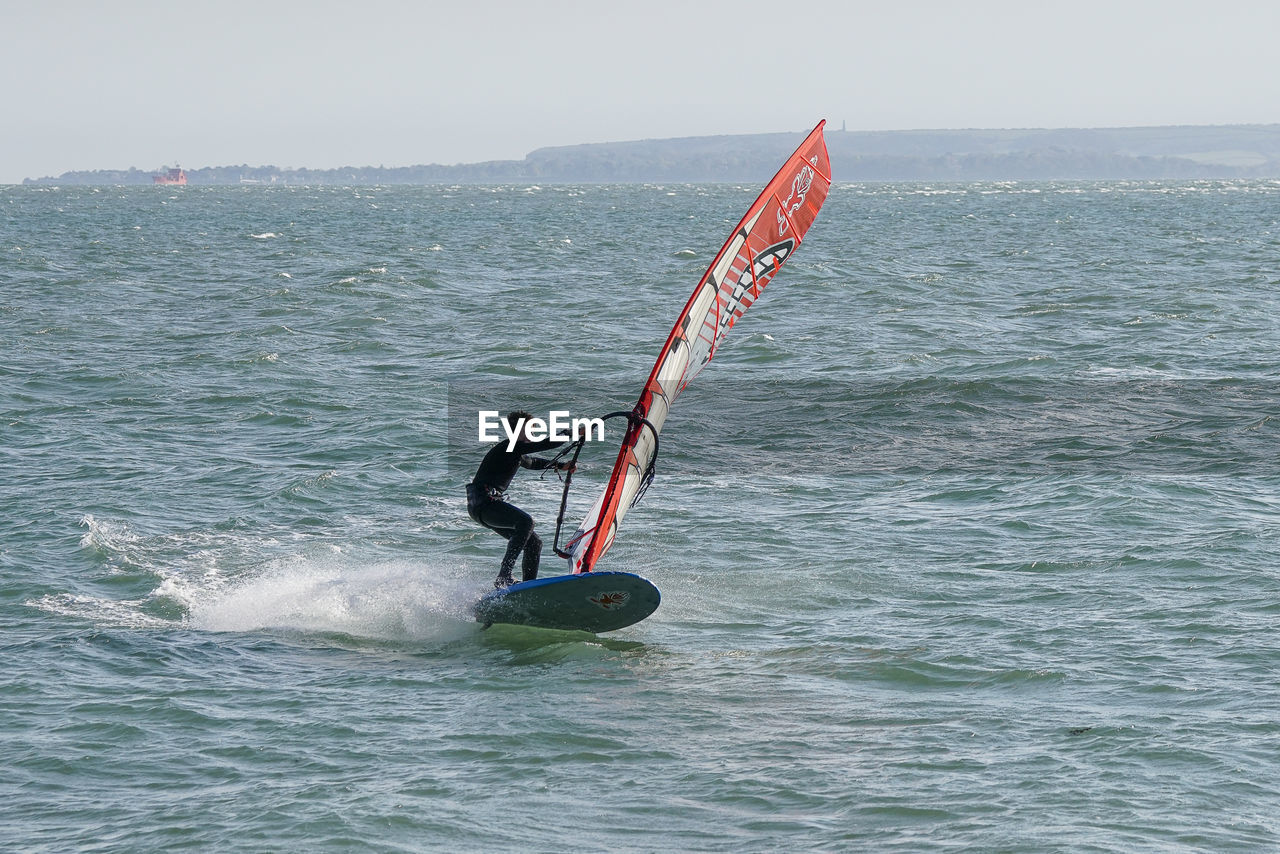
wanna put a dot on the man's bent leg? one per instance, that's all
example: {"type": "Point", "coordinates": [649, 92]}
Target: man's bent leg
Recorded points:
{"type": "Point", "coordinates": [514, 524]}
{"type": "Point", "coordinates": [532, 555]}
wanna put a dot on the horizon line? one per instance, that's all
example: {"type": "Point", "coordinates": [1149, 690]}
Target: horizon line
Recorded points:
{"type": "Point", "coordinates": [830, 130]}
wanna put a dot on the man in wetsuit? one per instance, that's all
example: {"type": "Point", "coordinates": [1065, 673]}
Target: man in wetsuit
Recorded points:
{"type": "Point", "coordinates": [486, 504]}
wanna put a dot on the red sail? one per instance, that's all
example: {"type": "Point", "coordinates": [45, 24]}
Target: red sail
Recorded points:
{"type": "Point", "coordinates": [766, 237]}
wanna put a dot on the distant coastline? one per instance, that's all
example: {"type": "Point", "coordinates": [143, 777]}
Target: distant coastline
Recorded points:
{"type": "Point", "coordinates": [1145, 153]}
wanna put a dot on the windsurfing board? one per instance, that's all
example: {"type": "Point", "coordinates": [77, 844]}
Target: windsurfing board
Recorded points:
{"type": "Point", "coordinates": [588, 602]}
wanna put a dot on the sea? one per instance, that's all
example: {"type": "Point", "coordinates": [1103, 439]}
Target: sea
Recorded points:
{"type": "Point", "coordinates": [967, 537]}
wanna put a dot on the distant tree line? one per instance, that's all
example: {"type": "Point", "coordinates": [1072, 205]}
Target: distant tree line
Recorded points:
{"type": "Point", "coordinates": [1234, 151]}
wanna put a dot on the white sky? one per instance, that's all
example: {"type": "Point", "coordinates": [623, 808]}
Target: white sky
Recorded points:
{"type": "Point", "coordinates": [108, 85]}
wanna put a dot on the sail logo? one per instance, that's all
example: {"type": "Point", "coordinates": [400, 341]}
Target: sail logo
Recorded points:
{"type": "Point", "coordinates": [734, 302]}
{"type": "Point", "coordinates": [799, 189]}
{"type": "Point", "coordinates": [609, 601]}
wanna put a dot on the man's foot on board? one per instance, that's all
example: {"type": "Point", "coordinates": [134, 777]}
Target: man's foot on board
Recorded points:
{"type": "Point", "coordinates": [503, 581]}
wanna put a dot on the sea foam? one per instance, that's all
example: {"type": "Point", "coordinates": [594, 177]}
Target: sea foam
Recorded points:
{"type": "Point", "coordinates": [402, 600]}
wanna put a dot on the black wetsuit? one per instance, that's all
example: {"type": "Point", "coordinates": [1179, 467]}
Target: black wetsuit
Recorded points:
{"type": "Point", "coordinates": [485, 504]}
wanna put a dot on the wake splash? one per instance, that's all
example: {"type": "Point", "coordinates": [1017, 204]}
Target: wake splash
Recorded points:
{"type": "Point", "coordinates": [394, 601]}
{"type": "Point", "coordinates": [223, 581]}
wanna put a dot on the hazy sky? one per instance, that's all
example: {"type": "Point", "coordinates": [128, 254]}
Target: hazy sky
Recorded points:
{"type": "Point", "coordinates": [119, 83]}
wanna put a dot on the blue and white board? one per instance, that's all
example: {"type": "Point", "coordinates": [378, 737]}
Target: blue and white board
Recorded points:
{"type": "Point", "coordinates": [588, 602]}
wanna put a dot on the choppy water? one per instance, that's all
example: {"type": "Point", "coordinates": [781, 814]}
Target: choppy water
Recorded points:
{"type": "Point", "coordinates": [967, 539]}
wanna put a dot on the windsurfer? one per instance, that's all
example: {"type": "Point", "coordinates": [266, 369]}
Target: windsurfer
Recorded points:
{"type": "Point", "coordinates": [487, 505]}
